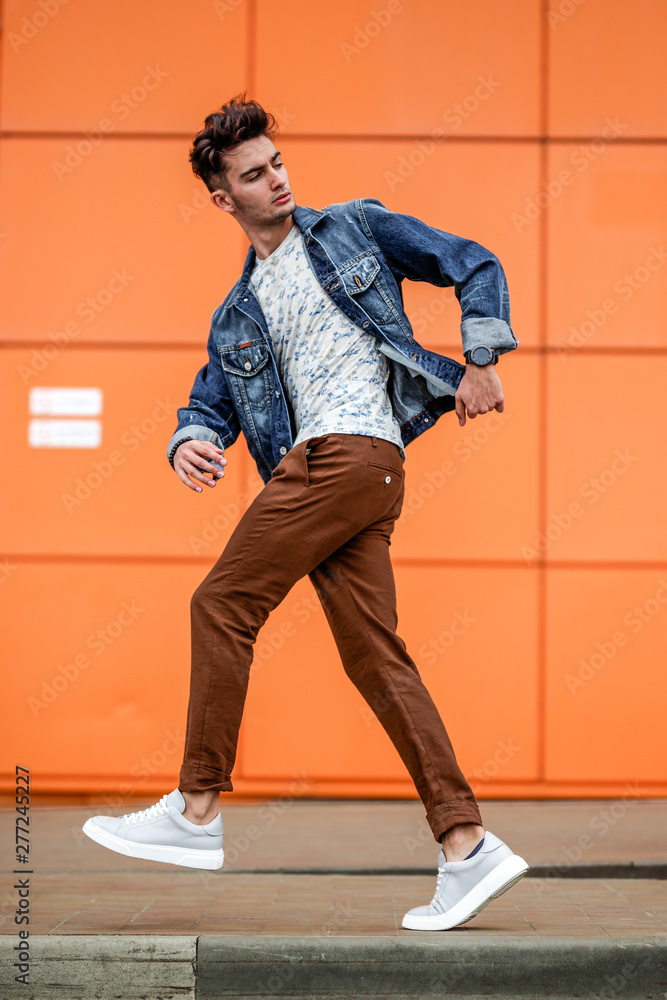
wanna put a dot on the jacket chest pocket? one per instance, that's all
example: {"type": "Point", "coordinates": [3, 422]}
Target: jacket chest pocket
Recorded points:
{"type": "Point", "coordinates": [246, 368]}
{"type": "Point", "coordinates": [365, 285]}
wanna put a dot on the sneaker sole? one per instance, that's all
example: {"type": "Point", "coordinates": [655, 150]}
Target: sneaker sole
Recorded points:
{"type": "Point", "coordinates": [185, 856]}
{"type": "Point", "coordinates": [498, 881]}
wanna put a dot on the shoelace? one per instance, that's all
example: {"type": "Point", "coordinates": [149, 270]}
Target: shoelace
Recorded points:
{"type": "Point", "coordinates": [159, 809]}
{"type": "Point", "coordinates": [441, 875]}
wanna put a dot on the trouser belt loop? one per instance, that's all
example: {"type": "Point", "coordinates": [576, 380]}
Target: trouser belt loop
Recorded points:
{"type": "Point", "coordinates": [375, 442]}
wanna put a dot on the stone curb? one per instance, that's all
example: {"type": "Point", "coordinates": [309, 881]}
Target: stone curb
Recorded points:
{"type": "Point", "coordinates": [433, 966]}
{"type": "Point", "coordinates": [101, 967]}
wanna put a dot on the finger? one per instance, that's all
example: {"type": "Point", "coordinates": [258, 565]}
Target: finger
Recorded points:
{"type": "Point", "coordinates": [188, 482]}
{"type": "Point", "coordinates": [500, 406]}
{"type": "Point", "coordinates": [206, 451]}
{"type": "Point", "coordinates": [193, 470]}
{"type": "Point", "coordinates": [203, 463]}
{"type": "Point", "coordinates": [206, 448]}
{"type": "Point", "coordinates": [460, 410]}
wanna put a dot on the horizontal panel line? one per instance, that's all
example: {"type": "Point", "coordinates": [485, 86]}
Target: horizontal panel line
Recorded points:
{"type": "Point", "coordinates": [8, 779]}
{"type": "Point", "coordinates": [347, 137]}
{"type": "Point", "coordinates": [140, 345]}
{"type": "Point", "coordinates": [184, 345]}
{"type": "Point", "coordinates": [404, 562]}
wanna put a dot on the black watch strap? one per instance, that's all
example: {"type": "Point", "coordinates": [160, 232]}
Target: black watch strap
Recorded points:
{"type": "Point", "coordinates": [485, 356]}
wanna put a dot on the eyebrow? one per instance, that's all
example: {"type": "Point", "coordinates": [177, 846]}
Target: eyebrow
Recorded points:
{"type": "Point", "coordinates": [253, 170]}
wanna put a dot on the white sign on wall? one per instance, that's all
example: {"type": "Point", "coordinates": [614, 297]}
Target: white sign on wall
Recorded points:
{"type": "Point", "coordinates": [63, 401]}
{"type": "Point", "coordinates": [65, 433]}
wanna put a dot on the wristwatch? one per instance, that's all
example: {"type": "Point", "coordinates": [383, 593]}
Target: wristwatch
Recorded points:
{"type": "Point", "coordinates": [481, 356]}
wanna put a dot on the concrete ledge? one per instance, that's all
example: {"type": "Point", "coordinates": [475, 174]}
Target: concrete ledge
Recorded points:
{"type": "Point", "coordinates": [441, 964]}
{"type": "Point", "coordinates": [99, 967]}
{"type": "Point", "coordinates": [164, 967]}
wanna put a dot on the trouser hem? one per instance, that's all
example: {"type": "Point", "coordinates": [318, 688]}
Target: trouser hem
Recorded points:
{"type": "Point", "coordinates": [199, 778]}
{"type": "Point", "coordinates": [443, 817]}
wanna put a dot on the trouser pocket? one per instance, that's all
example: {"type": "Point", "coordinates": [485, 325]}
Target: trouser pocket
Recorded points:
{"type": "Point", "coordinates": [312, 445]}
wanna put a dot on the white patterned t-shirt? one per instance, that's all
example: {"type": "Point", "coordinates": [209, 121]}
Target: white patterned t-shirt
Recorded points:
{"type": "Point", "coordinates": [332, 370]}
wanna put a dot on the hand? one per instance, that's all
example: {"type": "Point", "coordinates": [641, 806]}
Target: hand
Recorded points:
{"type": "Point", "coordinates": [192, 456]}
{"type": "Point", "coordinates": [479, 391]}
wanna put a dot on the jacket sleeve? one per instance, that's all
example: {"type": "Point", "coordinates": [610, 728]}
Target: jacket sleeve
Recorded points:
{"type": "Point", "coordinates": [210, 413]}
{"type": "Point", "coordinates": [419, 252]}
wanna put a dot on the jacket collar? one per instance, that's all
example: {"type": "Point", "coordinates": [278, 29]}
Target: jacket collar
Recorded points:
{"type": "Point", "coordinates": [305, 218]}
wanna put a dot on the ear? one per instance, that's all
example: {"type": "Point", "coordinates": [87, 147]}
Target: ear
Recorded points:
{"type": "Point", "coordinates": [221, 200]}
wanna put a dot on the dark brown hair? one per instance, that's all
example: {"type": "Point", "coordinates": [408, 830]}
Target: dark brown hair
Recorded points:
{"type": "Point", "coordinates": [235, 122]}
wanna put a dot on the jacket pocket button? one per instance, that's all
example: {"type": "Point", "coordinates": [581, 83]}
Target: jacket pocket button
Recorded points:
{"type": "Point", "coordinates": [247, 366]}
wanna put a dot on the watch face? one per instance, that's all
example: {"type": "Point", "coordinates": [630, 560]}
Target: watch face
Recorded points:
{"type": "Point", "coordinates": [481, 356]}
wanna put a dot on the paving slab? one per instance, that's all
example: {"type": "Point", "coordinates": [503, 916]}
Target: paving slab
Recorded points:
{"type": "Point", "coordinates": [289, 833]}
{"type": "Point", "coordinates": [310, 887]}
{"type": "Point", "coordinates": [166, 900]}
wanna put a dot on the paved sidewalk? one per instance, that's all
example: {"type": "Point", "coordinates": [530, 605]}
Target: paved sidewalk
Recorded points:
{"type": "Point", "coordinates": [340, 875]}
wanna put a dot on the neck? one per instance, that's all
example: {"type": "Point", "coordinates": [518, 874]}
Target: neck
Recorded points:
{"type": "Point", "coordinates": [265, 239]}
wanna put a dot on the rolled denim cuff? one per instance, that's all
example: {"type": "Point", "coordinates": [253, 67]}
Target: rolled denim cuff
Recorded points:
{"type": "Point", "coordinates": [488, 332]}
{"type": "Point", "coordinates": [192, 432]}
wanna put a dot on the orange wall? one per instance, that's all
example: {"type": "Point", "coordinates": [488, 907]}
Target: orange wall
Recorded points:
{"type": "Point", "coordinates": [536, 129]}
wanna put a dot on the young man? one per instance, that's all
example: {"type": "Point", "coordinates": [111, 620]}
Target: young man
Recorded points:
{"type": "Point", "coordinates": [312, 357]}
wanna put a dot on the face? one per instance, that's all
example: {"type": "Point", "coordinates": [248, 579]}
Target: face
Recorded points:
{"type": "Point", "coordinates": [259, 192]}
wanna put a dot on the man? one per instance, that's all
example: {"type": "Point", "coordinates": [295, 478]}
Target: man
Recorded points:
{"type": "Point", "coordinates": [312, 357]}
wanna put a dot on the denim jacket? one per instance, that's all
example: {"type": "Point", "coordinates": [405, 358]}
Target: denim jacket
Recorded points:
{"type": "Point", "coordinates": [360, 252]}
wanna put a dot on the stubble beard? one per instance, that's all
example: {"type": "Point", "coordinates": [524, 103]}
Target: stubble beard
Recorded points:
{"type": "Point", "coordinates": [258, 215]}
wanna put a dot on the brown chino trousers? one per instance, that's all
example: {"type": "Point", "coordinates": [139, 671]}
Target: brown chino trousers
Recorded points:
{"type": "Point", "coordinates": [328, 512]}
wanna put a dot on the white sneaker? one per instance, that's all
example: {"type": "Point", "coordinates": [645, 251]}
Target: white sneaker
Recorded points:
{"type": "Point", "coordinates": [161, 833]}
{"type": "Point", "coordinates": [466, 887]}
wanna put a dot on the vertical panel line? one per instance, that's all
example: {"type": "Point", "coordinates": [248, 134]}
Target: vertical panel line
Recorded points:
{"type": "Point", "coordinates": [543, 383]}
